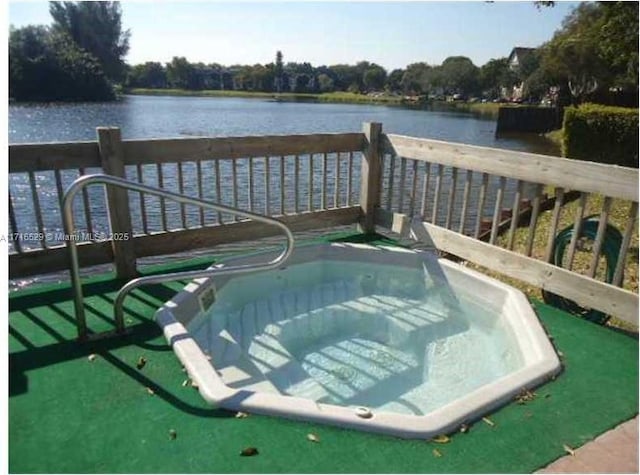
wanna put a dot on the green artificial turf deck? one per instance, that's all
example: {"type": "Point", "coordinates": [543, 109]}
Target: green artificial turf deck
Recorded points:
{"type": "Point", "coordinates": [70, 414]}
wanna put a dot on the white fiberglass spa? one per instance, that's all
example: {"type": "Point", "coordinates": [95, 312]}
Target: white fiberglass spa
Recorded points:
{"type": "Point", "coordinates": [375, 338]}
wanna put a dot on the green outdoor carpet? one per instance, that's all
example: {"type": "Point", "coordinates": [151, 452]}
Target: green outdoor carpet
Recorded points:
{"type": "Point", "coordinates": [70, 413]}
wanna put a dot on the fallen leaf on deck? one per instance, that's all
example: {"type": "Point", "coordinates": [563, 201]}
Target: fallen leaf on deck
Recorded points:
{"type": "Point", "coordinates": [313, 437]}
{"type": "Point", "coordinates": [436, 453]}
{"type": "Point", "coordinates": [141, 362]}
{"type": "Point", "coordinates": [488, 421]}
{"type": "Point", "coordinates": [568, 449]}
{"type": "Point", "coordinates": [249, 452]}
{"type": "Point", "coordinates": [441, 439]}
{"type": "Point", "coordinates": [525, 396]}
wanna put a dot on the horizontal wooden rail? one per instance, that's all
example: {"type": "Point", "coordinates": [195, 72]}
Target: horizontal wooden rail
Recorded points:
{"type": "Point", "coordinates": [189, 149]}
{"type": "Point", "coordinates": [584, 290]}
{"type": "Point", "coordinates": [53, 156]}
{"type": "Point", "coordinates": [56, 259]}
{"type": "Point", "coordinates": [60, 156]}
{"type": "Point", "coordinates": [609, 180]}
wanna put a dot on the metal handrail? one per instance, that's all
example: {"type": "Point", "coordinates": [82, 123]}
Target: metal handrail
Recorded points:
{"type": "Point", "coordinates": [69, 228]}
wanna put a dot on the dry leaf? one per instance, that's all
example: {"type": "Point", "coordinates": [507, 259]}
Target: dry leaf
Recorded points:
{"type": "Point", "coordinates": [568, 449]}
{"type": "Point", "coordinates": [313, 437]}
{"type": "Point", "coordinates": [150, 391]}
{"type": "Point", "coordinates": [241, 415]}
{"type": "Point", "coordinates": [92, 357]}
{"type": "Point", "coordinates": [436, 453]}
{"type": "Point", "coordinates": [525, 396]}
{"type": "Point", "coordinates": [249, 452]}
{"type": "Point", "coordinates": [488, 421]}
{"type": "Point", "coordinates": [441, 439]}
{"type": "Point", "coordinates": [172, 434]}
{"type": "Point", "coordinates": [141, 362]}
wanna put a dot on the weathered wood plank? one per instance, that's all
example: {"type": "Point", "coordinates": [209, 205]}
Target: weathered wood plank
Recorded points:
{"type": "Point", "coordinates": [188, 149]}
{"type": "Point", "coordinates": [577, 227]}
{"type": "Point", "coordinates": [533, 222]}
{"type": "Point", "coordinates": [323, 201]}
{"type": "Point", "coordinates": [465, 200]}
{"type": "Point", "coordinates": [370, 175]}
{"type": "Point", "coordinates": [414, 187]}
{"type": "Point", "coordinates": [621, 182]}
{"type": "Point", "coordinates": [391, 181]}
{"type": "Point", "coordinates": [177, 241]}
{"type": "Point", "coordinates": [425, 190]}
{"type": "Point", "coordinates": [86, 203]}
{"type": "Point", "coordinates": [553, 228]}
{"type": "Point", "coordinates": [452, 198]}
{"type": "Point", "coordinates": [14, 226]}
{"type": "Point", "coordinates": [52, 156]}
{"type": "Point", "coordinates": [624, 247]}
{"type": "Point", "coordinates": [597, 245]}
{"type": "Point", "coordinates": [35, 199]}
{"type": "Point", "coordinates": [111, 155]}
{"type": "Point", "coordinates": [436, 194]}
{"type": "Point", "coordinates": [515, 213]}
{"type": "Point", "coordinates": [56, 259]}
{"type": "Point", "coordinates": [143, 205]}
{"type": "Point", "coordinates": [583, 290]}
{"type": "Point", "coordinates": [401, 184]}
{"type": "Point", "coordinates": [163, 203]}
{"type": "Point", "coordinates": [482, 196]}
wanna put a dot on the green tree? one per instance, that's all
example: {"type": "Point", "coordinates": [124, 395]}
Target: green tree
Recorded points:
{"type": "Point", "coordinates": [595, 50]}
{"type": "Point", "coordinates": [494, 75]}
{"type": "Point", "coordinates": [374, 78]}
{"type": "Point", "coordinates": [459, 75]}
{"type": "Point", "coordinates": [181, 73]}
{"type": "Point", "coordinates": [150, 74]}
{"type": "Point", "coordinates": [394, 80]}
{"type": "Point", "coordinates": [325, 83]}
{"type": "Point", "coordinates": [96, 28]}
{"type": "Point", "coordinates": [418, 78]}
{"type": "Point", "coordinates": [279, 69]}
{"type": "Point", "coordinates": [49, 66]}
{"type": "Point", "coordinates": [618, 41]}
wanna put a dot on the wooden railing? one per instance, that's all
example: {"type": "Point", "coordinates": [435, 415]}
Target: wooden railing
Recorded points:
{"type": "Point", "coordinates": [456, 195]}
{"type": "Point", "coordinates": [308, 181]}
{"type": "Point", "coordinates": [452, 190]}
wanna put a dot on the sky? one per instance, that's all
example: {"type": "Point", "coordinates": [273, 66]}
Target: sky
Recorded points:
{"type": "Point", "coordinates": [392, 34]}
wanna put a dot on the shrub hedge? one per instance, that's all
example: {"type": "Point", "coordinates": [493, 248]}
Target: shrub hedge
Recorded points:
{"type": "Point", "coordinates": [602, 134]}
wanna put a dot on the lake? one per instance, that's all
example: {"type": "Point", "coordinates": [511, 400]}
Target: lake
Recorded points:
{"type": "Point", "coordinates": [164, 117]}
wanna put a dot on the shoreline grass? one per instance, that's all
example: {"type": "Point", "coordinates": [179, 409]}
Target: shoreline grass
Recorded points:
{"type": "Point", "coordinates": [618, 217]}
{"type": "Point", "coordinates": [345, 97]}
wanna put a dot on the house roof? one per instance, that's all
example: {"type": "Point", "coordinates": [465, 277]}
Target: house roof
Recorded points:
{"type": "Point", "coordinates": [519, 52]}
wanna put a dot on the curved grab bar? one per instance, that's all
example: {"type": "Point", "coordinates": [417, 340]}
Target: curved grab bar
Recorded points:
{"type": "Point", "coordinates": [69, 229]}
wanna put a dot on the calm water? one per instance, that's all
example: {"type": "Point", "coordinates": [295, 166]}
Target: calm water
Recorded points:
{"type": "Point", "coordinates": [149, 116]}
{"type": "Point", "coordinates": [164, 117]}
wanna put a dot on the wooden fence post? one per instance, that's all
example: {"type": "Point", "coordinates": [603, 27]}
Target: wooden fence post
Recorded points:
{"type": "Point", "coordinates": [370, 176]}
{"type": "Point", "coordinates": [112, 158]}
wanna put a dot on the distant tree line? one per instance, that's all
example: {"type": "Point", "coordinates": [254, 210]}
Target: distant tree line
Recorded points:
{"type": "Point", "coordinates": [81, 57]}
